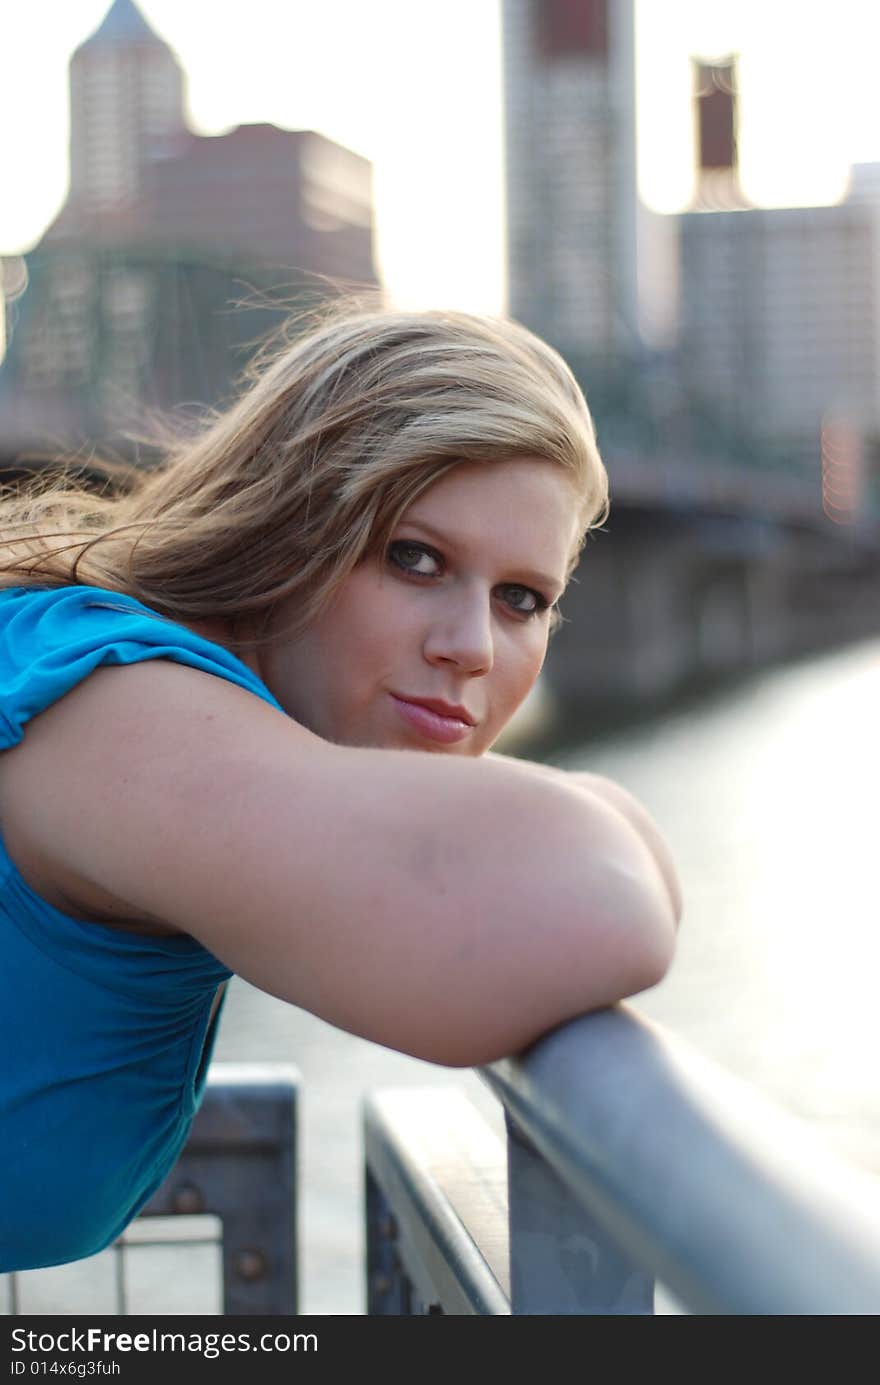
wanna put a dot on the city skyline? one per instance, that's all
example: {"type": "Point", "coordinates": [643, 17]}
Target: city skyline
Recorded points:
{"type": "Point", "coordinates": [419, 93]}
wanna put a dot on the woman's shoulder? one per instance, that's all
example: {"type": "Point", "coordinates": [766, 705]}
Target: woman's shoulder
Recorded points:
{"type": "Point", "coordinates": [57, 647]}
{"type": "Point", "coordinates": [35, 603]}
{"type": "Point", "coordinates": [158, 742]}
{"type": "Point", "coordinates": [83, 726]}
{"type": "Point", "coordinates": [51, 639]}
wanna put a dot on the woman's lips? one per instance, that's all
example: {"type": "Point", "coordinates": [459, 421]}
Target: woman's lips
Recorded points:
{"type": "Point", "coordinates": [447, 730]}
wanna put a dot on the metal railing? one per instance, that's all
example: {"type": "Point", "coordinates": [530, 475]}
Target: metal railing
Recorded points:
{"type": "Point", "coordinates": [629, 1159]}
{"type": "Point", "coordinates": [239, 1164]}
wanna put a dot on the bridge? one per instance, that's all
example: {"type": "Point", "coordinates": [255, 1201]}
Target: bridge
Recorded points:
{"type": "Point", "coordinates": [708, 568]}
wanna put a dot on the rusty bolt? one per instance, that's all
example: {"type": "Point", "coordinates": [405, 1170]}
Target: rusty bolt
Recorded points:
{"type": "Point", "coordinates": [388, 1227]}
{"type": "Point", "coordinates": [250, 1264]}
{"type": "Point", "coordinates": [188, 1199]}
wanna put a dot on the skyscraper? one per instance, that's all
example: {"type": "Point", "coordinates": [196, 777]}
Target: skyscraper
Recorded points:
{"type": "Point", "coordinates": [780, 308]}
{"type": "Point", "coordinates": [585, 259]}
{"type": "Point", "coordinates": [126, 103]}
{"type": "Point", "coordinates": [174, 252]}
{"type": "Point", "coordinates": [140, 177]}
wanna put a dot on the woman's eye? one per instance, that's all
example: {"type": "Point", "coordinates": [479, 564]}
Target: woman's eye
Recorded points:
{"type": "Point", "coordinates": [412, 557]}
{"type": "Point", "coordinates": [525, 601]}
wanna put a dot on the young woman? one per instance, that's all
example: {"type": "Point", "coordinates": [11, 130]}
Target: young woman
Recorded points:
{"type": "Point", "coordinates": [246, 710]}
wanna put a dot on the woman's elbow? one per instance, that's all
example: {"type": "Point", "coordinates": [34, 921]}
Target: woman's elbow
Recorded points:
{"type": "Point", "coordinates": [656, 952]}
{"type": "Point", "coordinates": [652, 936]}
{"type": "Point", "coordinates": [631, 950]}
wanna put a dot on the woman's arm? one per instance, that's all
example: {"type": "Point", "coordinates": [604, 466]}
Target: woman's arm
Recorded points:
{"type": "Point", "coordinates": [631, 809]}
{"type": "Point", "coordinates": [640, 819]}
{"type": "Point", "coordinates": [450, 907]}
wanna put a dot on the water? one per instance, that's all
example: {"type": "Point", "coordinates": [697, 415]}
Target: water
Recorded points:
{"type": "Point", "coordinates": [768, 797]}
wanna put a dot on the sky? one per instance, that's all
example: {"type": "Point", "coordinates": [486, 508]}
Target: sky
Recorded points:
{"type": "Point", "coordinates": [415, 85]}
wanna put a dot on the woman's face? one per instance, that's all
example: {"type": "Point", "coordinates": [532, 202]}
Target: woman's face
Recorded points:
{"type": "Point", "coordinates": [434, 645]}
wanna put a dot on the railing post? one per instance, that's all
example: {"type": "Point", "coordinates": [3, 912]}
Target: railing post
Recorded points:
{"type": "Point", "coordinates": [389, 1292]}
{"type": "Point", "coordinates": [240, 1164]}
{"type": "Point", "coordinates": [435, 1206]}
{"type": "Point", "coordinates": [561, 1259]}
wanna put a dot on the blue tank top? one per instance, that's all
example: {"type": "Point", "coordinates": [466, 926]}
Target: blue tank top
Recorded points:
{"type": "Point", "coordinates": [104, 1035]}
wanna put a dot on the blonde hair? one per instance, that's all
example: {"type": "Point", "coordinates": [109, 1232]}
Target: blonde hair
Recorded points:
{"type": "Point", "coordinates": [283, 493]}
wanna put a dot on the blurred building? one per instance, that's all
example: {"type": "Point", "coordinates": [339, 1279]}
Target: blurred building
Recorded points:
{"type": "Point", "coordinates": [173, 252]}
{"type": "Point", "coordinates": [126, 100]}
{"type": "Point", "coordinates": [864, 184]}
{"type": "Point", "coordinates": [292, 198]}
{"type": "Point", "coordinates": [716, 134]}
{"type": "Point", "coordinates": [780, 312]}
{"type": "Point", "coordinates": [780, 318]}
{"type": "Point", "coordinates": [589, 267]}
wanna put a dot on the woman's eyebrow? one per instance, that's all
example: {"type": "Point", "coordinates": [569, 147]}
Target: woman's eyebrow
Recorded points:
{"type": "Point", "coordinates": [530, 575]}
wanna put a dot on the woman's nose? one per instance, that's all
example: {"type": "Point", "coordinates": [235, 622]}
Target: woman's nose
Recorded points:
{"type": "Point", "coordinates": [461, 634]}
